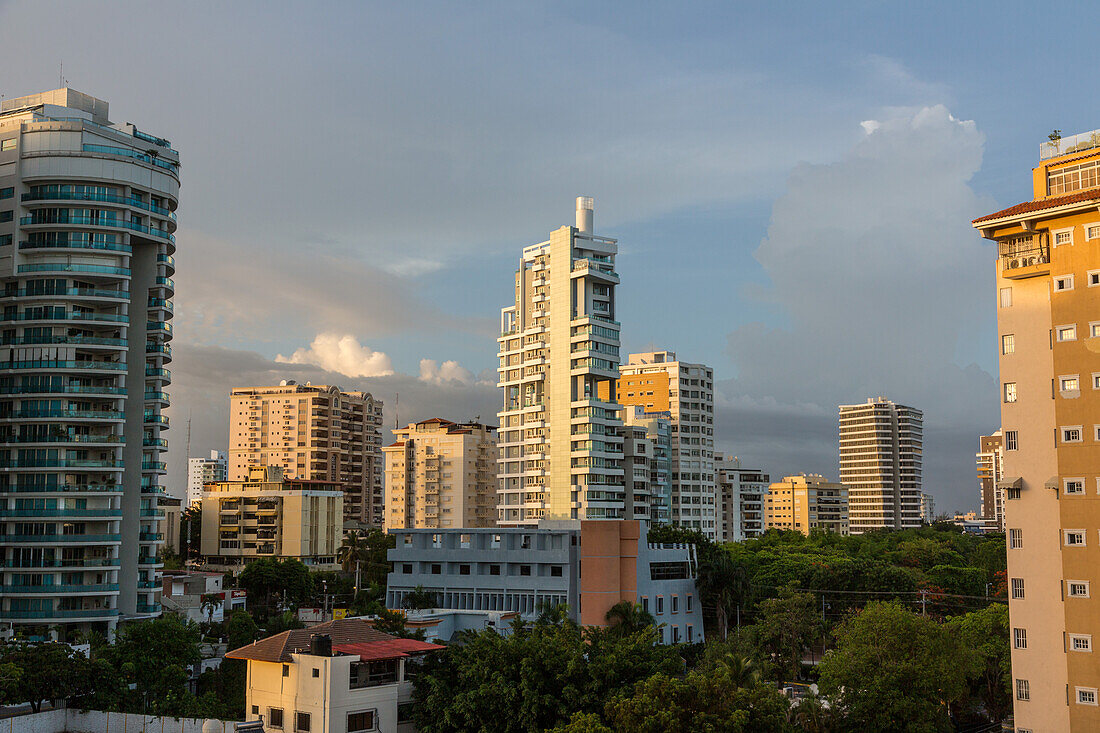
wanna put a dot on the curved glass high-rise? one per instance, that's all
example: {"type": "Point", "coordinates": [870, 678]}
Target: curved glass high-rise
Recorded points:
{"type": "Point", "coordinates": [87, 215]}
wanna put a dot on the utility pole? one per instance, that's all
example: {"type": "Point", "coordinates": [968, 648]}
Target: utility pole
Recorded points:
{"type": "Point", "coordinates": [822, 609]}
{"type": "Point", "coordinates": [923, 601]}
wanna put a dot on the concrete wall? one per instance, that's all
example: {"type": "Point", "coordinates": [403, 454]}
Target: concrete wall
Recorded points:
{"type": "Point", "coordinates": [69, 720]}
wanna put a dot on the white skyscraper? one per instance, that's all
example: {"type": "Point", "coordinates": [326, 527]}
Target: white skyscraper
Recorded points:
{"type": "Point", "coordinates": [87, 215]}
{"type": "Point", "coordinates": [880, 462]}
{"type": "Point", "coordinates": [205, 471]}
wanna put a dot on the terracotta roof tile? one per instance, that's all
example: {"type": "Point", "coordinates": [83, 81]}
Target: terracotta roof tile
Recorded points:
{"type": "Point", "coordinates": [279, 648]}
{"type": "Point", "coordinates": [1029, 206]}
{"type": "Point", "coordinates": [390, 649]}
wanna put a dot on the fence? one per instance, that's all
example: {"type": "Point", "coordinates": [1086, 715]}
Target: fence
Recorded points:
{"type": "Point", "coordinates": [69, 720]}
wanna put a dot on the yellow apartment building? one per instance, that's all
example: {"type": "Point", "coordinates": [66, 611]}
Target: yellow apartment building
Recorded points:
{"type": "Point", "coordinates": [806, 502]}
{"type": "Point", "coordinates": [441, 474]}
{"type": "Point", "coordinates": [316, 433]}
{"type": "Point", "coordinates": [1048, 319]}
{"type": "Point", "coordinates": [269, 515]}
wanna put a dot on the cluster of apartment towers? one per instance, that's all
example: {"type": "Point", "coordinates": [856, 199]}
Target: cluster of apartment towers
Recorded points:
{"type": "Point", "coordinates": [581, 436]}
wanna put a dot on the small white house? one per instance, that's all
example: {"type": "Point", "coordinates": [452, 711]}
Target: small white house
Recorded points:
{"type": "Point", "coordinates": [337, 677]}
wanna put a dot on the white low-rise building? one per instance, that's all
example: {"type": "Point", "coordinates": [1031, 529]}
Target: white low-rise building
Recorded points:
{"type": "Point", "coordinates": [338, 677]}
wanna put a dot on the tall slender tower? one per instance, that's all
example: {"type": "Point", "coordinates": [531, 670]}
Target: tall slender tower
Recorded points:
{"type": "Point", "coordinates": [881, 444]}
{"type": "Point", "coordinates": [87, 212]}
{"type": "Point", "coordinates": [990, 464]}
{"type": "Point", "coordinates": [1048, 280]}
{"type": "Point", "coordinates": [560, 438]}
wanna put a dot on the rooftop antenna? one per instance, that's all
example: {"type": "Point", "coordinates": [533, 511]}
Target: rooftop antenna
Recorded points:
{"type": "Point", "coordinates": [61, 80]}
{"type": "Point", "coordinates": [396, 421]}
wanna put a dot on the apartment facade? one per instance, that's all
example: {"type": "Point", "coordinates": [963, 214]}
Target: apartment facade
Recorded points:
{"type": "Point", "coordinates": [316, 433]}
{"type": "Point", "coordinates": [337, 677]}
{"type": "Point", "coordinates": [658, 381]}
{"type": "Point", "coordinates": [587, 565]}
{"type": "Point", "coordinates": [658, 431]}
{"type": "Point", "coordinates": [1048, 272]}
{"type": "Point", "coordinates": [270, 515]}
{"type": "Point", "coordinates": [990, 464]}
{"type": "Point", "coordinates": [202, 471]}
{"type": "Point", "coordinates": [441, 474]}
{"type": "Point", "coordinates": [560, 441]}
{"type": "Point", "coordinates": [881, 445]}
{"type": "Point", "coordinates": [87, 215]}
{"type": "Point", "coordinates": [806, 502]}
{"type": "Point", "coordinates": [927, 508]}
{"type": "Point", "coordinates": [741, 494]}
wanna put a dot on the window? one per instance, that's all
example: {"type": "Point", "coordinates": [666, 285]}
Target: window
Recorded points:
{"type": "Point", "coordinates": [1094, 329]}
{"type": "Point", "coordinates": [1069, 383]}
{"type": "Point", "coordinates": [1063, 283]}
{"type": "Point", "coordinates": [1015, 539]}
{"type": "Point", "coordinates": [1093, 278]}
{"type": "Point", "coordinates": [7, 193]}
{"type": "Point", "coordinates": [407, 568]}
{"type": "Point", "coordinates": [1071, 434]}
{"type": "Point", "coordinates": [689, 605]}
{"type": "Point", "coordinates": [1074, 485]}
{"type": "Point", "coordinates": [1011, 440]}
{"type": "Point", "coordinates": [1019, 638]}
{"type": "Point", "coordinates": [525, 542]}
{"type": "Point", "coordinates": [316, 672]}
{"type": "Point", "coordinates": [363, 720]}
{"type": "Point", "coordinates": [1067, 333]}
{"type": "Point", "coordinates": [1018, 588]}
{"type": "Point", "coordinates": [1023, 690]}
{"type": "Point", "coordinates": [301, 721]}
{"type": "Point", "coordinates": [1006, 297]}
{"type": "Point", "coordinates": [1092, 231]}
{"type": "Point", "coordinates": [405, 712]}
{"type": "Point", "coordinates": [1074, 537]}
{"type": "Point", "coordinates": [5, 239]}
{"type": "Point", "coordinates": [1065, 236]}
{"type": "Point", "coordinates": [494, 570]}
{"type": "Point", "coordinates": [464, 569]}
{"type": "Point", "coordinates": [555, 571]}
{"type": "Point", "coordinates": [275, 718]}
{"type": "Point", "coordinates": [675, 604]}
{"type": "Point", "coordinates": [8, 144]}
{"type": "Point", "coordinates": [660, 604]}
{"type": "Point", "coordinates": [1008, 343]}
{"type": "Point", "coordinates": [255, 709]}
{"type": "Point", "coordinates": [436, 569]}
{"type": "Point", "coordinates": [1080, 643]}
{"type": "Point", "coordinates": [6, 216]}
{"type": "Point", "coordinates": [1010, 391]}
{"type": "Point", "coordinates": [1077, 588]}
{"type": "Point", "coordinates": [645, 604]}
{"type": "Point", "coordinates": [1096, 380]}
{"type": "Point", "coordinates": [286, 670]}
{"type": "Point", "coordinates": [524, 569]}
{"type": "Point", "coordinates": [1086, 695]}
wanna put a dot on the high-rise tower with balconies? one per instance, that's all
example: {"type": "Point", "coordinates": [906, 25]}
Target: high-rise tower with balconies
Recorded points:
{"type": "Point", "coordinates": [87, 212]}
{"type": "Point", "coordinates": [560, 437]}
{"type": "Point", "coordinates": [1048, 320]}
{"type": "Point", "coordinates": [881, 444]}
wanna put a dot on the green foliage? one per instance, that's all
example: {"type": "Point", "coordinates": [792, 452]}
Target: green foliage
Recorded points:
{"type": "Point", "coordinates": [626, 618]}
{"type": "Point", "coordinates": [535, 679]}
{"type": "Point", "coordinates": [418, 598]}
{"type": "Point", "coordinates": [241, 630]}
{"type": "Point", "coordinates": [986, 634]}
{"type": "Point", "coordinates": [32, 673]}
{"type": "Point", "coordinates": [273, 585]}
{"type": "Point", "coordinates": [787, 625]}
{"type": "Point", "coordinates": [698, 703]}
{"type": "Point", "coordinates": [894, 670]}
{"type": "Point", "coordinates": [367, 551]}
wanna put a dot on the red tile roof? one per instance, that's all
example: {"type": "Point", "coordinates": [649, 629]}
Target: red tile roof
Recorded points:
{"type": "Point", "coordinates": [392, 649]}
{"type": "Point", "coordinates": [343, 632]}
{"type": "Point", "coordinates": [396, 444]}
{"type": "Point", "coordinates": [1029, 206]}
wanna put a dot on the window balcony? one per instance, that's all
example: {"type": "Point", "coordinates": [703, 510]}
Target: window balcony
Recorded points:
{"type": "Point", "coordinates": [1024, 256]}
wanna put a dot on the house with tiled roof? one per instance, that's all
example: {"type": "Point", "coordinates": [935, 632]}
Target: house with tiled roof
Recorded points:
{"type": "Point", "coordinates": [342, 676]}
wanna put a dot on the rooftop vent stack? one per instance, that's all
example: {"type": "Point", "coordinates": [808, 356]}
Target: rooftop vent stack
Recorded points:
{"type": "Point", "coordinates": [320, 645]}
{"type": "Point", "coordinates": [584, 213]}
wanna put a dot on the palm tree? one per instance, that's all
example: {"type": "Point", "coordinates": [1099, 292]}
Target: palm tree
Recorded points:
{"type": "Point", "coordinates": [351, 552]}
{"type": "Point", "coordinates": [742, 671]}
{"type": "Point", "coordinates": [723, 585]}
{"type": "Point", "coordinates": [209, 603]}
{"type": "Point", "coordinates": [627, 618]}
{"type": "Point", "coordinates": [813, 715]}
{"type": "Point", "coordinates": [419, 598]}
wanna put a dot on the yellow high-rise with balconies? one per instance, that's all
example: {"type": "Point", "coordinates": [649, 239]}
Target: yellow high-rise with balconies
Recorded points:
{"type": "Point", "coordinates": [1048, 318]}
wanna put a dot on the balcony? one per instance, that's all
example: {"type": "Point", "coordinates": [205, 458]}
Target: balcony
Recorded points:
{"type": "Point", "coordinates": [84, 562]}
{"type": "Point", "coordinates": [59, 589]}
{"type": "Point", "coordinates": [58, 463]}
{"type": "Point", "coordinates": [101, 197]}
{"type": "Point", "coordinates": [73, 292]}
{"type": "Point", "coordinates": [68, 267]}
{"type": "Point", "coordinates": [51, 539]}
{"type": "Point", "coordinates": [76, 244]}
{"type": "Point", "coordinates": [1024, 256]}
{"type": "Point", "coordinates": [67, 316]}
{"type": "Point", "coordinates": [90, 613]}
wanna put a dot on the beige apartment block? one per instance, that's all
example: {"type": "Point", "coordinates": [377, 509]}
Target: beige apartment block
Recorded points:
{"type": "Point", "coordinates": [560, 435]}
{"type": "Point", "coordinates": [990, 465]}
{"type": "Point", "coordinates": [270, 515]}
{"type": "Point", "coordinates": [881, 444]}
{"type": "Point", "coordinates": [316, 433]}
{"type": "Point", "coordinates": [658, 382]}
{"type": "Point", "coordinates": [441, 474]}
{"type": "Point", "coordinates": [657, 427]}
{"type": "Point", "coordinates": [1048, 287]}
{"type": "Point", "coordinates": [741, 492]}
{"type": "Point", "coordinates": [806, 502]}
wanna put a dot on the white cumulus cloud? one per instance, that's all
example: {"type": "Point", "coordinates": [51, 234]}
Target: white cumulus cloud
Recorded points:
{"type": "Point", "coordinates": [449, 371]}
{"type": "Point", "coordinates": [342, 354]}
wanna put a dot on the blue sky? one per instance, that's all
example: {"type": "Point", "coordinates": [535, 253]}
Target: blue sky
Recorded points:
{"type": "Point", "coordinates": [791, 185]}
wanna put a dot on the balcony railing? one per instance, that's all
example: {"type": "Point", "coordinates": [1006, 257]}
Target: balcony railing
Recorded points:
{"type": "Point", "coordinates": [49, 364]}
{"type": "Point", "coordinates": [108, 198]}
{"type": "Point", "coordinates": [60, 613]}
{"type": "Point", "coordinates": [105, 246]}
{"type": "Point", "coordinates": [60, 389]}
